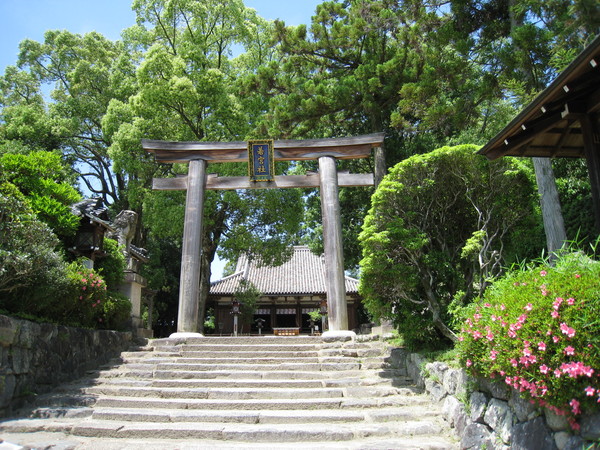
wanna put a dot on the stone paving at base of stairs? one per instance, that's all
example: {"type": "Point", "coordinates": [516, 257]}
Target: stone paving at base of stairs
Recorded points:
{"type": "Point", "coordinates": [217, 393]}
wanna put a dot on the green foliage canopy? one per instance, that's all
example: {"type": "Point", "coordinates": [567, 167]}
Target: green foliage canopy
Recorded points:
{"type": "Point", "coordinates": [46, 184]}
{"type": "Point", "coordinates": [439, 228]}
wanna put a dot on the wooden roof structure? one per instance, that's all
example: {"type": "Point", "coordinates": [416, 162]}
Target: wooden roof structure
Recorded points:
{"type": "Point", "coordinates": [549, 126]}
{"type": "Point", "coordinates": [302, 274]}
{"type": "Point", "coordinates": [563, 121]}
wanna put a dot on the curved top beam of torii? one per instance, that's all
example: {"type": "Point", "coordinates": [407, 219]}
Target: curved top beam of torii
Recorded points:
{"type": "Point", "coordinates": [285, 150]}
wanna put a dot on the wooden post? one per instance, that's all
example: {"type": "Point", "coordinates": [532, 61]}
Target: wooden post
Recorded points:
{"type": "Point", "coordinates": [332, 240]}
{"type": "Point", "coordinates": [189, 283]}
{"type": "Point", "coordinates": [592, 154]}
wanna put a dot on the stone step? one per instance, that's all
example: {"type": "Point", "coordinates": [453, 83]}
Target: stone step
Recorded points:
{"type": "Point", "coordinates": [310, 366]}
{"type": "Point", "coordinates": [239, 393]}
{"type": "Point", "coordinates": [230, 432]}
{"type": "Point", "coordinates": [258, 360]}
{"type": "Point", "coordinates": [243, 354]}
{"type": "Point", "coordinates": [264, 416]}
{"type": "Point", "coordinates": [244, 382]}
{"type": "Point", "coordinates": [61, 440]}
{"type": "Point", "coordinates": [152, 372]}
{"type": "Point", "coordinates": [214, 383]}
{"type": "Point", "coordinates": [233, 348]}
{"type": "Point", "coordinates": [251, 340]}
{"type": "Point", "coordinates": [259, 404]}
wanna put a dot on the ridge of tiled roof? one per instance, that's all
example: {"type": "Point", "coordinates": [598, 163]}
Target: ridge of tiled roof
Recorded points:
{"type": "Point", "coordinates": [304, 273]}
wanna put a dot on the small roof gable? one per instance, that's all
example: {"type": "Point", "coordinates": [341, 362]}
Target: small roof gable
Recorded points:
{"type": "Point", "coordinates": [550, 125]}
{"type": "Point", "coordinates": [303, 274]}
{"type": "Point", "coordinates": [95, 210]}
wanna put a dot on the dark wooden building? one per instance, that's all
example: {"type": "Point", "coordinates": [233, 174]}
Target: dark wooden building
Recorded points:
{"type": "Point", "coordinates": [288, 293]}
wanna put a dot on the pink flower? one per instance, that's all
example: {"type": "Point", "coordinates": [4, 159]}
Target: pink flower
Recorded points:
{"type": "Point", "coordinates": [502, 307]}
{"type": "Point", "coordinates": [514, 362]}
{"type": "Point", "coordinates": [541, 346]}
{"type": "Point", "coordinates": [490, 336]}
{"type": "Point", "coordinates": [477, 334]}
{"type": "Point", "coordinates": [461, 338]}
{"type": "Point", "coordinates": [589, 391]}
{"type": "Point", "coordinates": [577, 275]}
{"type": "Point", "coordinates": [487, 305]}
{"type": "Point", "coordinates": [557, 373]}
{"type": "Point", "coordinates": [83, 280]}
{"type": "Point", "coordinates": [555, 314]}
{"type": "Point", "coordinates": [575, 406]}
{"type": "Point", "coordinates": [570, 332]}
{"type": "Point", "coordinates": [569, 350]}
{"type": "Point", "coordinates": [574, 425]}
{"type": "Point", "coordinates": [555, 339]}
{"type": "Point", "coordinates": [571, 301]}
{"type": "Point", "coordinates": [543, 273]}
{"type": "Point", "coordinates": [544, 369]}
{"type": "Point", "coordinates": [493, 355]}
{"type": "Point", "coordinates": [522, 318]}
{"type": "Point", "coordinates": [469, 363]}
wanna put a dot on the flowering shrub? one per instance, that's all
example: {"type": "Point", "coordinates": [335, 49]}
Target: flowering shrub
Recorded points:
{"type": "Point", "coordinates": [538, 330]}
{"type": "Point", "coordinates": [88, 297]}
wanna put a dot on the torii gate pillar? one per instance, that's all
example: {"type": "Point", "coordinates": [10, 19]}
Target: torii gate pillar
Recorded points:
{"type": "Point", "coordinates": [335, 280]}
{"type": "Point", "coordinates": [189, 283]}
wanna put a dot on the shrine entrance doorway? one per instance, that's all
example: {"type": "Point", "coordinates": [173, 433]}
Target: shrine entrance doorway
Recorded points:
{"type": "Point", "coordinates": [199, 154]}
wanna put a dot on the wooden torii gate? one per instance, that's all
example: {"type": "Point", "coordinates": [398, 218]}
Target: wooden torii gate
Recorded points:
{"type": "Point", "coordinates": [199, 154]}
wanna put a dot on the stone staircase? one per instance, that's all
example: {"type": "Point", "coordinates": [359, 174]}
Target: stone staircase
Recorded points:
{"type": "Point", "coordinates": [244, 392]}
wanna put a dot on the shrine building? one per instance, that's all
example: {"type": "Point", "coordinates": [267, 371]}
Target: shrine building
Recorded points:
{"type": "Point", "coordinates": [288, 293]}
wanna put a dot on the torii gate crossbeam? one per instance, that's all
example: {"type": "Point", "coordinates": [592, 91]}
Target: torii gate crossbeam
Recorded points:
{"type": "Point", "coordinates": [199, 154]}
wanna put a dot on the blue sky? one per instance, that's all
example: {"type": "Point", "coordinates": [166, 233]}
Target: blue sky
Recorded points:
{"type": "Point", "coordinates": [29, 19]}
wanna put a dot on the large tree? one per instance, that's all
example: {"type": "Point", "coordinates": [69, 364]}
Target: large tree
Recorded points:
{"type": "Point", "coordinates": [187, 89]}
{"type": "Point", "coordinates": [367, 66]}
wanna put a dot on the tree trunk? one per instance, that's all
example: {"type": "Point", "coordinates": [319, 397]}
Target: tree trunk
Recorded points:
{"type": "Point", "coordinates": [434, 307]}
{"type": "Point", "coordinates": [554, 225]}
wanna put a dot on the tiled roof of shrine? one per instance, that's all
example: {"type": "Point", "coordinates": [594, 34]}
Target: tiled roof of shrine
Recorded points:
{"type": "Point", "coordinates": [304, 274]}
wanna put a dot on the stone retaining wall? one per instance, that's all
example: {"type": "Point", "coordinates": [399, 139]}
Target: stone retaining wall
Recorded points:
{"type": "Point", "coordinates": [34, 358]}
{"type": "Point", "coordinates": [491, 415]}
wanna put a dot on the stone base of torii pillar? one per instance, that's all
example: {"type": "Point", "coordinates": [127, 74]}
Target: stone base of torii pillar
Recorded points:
{"type": "Point", "coordinates": [339, 334]}
{"type": "Point", "coordinates": [180, 335]}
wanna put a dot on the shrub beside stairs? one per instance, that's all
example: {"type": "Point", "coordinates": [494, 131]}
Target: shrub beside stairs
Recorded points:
{"type": "Point", "coordinates": [244, 392]}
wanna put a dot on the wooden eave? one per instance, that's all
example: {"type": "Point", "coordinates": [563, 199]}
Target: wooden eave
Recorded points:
{"type": "Point", "coordinates": [285, 150]}
{"type": "Point", "coordinates": [550, 126]}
